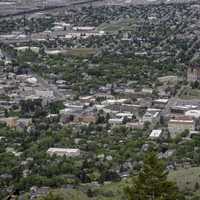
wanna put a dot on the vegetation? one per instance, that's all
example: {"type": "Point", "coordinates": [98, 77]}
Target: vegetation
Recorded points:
{"type": "Point", "coordinates": [152, 182]}
{"type": "Point", "coordinates": [140, 45]}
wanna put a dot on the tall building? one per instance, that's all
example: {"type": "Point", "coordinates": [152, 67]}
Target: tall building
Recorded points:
{"type": "Point", "coordinates": [193, 73]}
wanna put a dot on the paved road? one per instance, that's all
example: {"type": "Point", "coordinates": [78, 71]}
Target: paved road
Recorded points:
{"type": "Point", "coordinates": [58, 95]}
{"type": "Point", "coordinates": [172, 101]}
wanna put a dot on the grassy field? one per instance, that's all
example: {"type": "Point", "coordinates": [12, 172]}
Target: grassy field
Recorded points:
{"type": "Point", "coordinates": [82, 52]}
{"type": "Point", "coordinates": [69, 194]}
{"type": "Point", "coordinates": [109, 191]}
{"type": "Point", "coordinates": [186, 180]}
{"type": "Point", "coordinates": [114, 26]}
{"type": "Point", "coordinates": [112, 191]}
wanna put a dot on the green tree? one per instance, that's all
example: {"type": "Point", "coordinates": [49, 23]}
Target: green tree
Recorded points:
{"type": "Point", "coordinates": [152, 183]}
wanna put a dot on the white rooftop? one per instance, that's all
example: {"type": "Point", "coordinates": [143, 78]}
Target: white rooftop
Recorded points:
{"type": "Point", "coordinates": [113, 101]}
{"type": "Point", "coordinates": [127, 114]}
{"type": "Point", "coordinates": [115, 120]}
{"type": "Point", "coordinates": [32, 80]}
{"type": "Point", "coordinates": [161, 101]}
{"type": "Point", "coordinates": [153, 110]}
{"type": "Point", "coordinates": [155, 133]}
{"type": "Point", "coordinates": [64, 150]}
{"type": "Point", "coordinates": [193, 113]}
{"type": "Point", "coordinates": [181, 121]}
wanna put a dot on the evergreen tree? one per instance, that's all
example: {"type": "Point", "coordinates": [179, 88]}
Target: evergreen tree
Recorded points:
{"type": "Point", "coordinates": [152, 183]}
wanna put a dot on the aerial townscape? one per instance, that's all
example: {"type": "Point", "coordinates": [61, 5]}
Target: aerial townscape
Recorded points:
{"type": "Point", "coordinates": [99, 100]}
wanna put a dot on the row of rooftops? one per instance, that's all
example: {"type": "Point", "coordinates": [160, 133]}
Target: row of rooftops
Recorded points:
{"type": "Point", "coordinates": [23, 86]}
{"type": "Point", "coordinates": [152, 114]}
{"type": "Point", "coordinates": [57, 31]}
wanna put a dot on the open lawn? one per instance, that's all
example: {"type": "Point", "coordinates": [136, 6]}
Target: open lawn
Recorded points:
{"type": "Point", "coordinates": [114, 26]}
{"type": "Point", "coordinates": [112, 191]}
{"type": "Point", "coordinates": [109, 191]}
{"type": "Point", "coordinates": [82, 52]}
{"type": "Point", "coordinates": [187, 179]}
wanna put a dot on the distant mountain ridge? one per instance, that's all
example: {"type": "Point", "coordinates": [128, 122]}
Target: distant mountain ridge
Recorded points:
{"type": "Point", "coordinates": [13, 7]}
{"type": "Point", "coordinates": [54, 2]}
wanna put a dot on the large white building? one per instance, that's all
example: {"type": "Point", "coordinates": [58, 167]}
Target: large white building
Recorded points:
{"type": "Point", "coordinates": [63, 152]}
{"type": "Point", "coordinates": [177, 126]}
{"type": "Point", "coordinates": [155, 134]}
{"type": "Point", "coordinates": [152, 115]}
{"type": "Point", "coordinates": [193, 113]}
